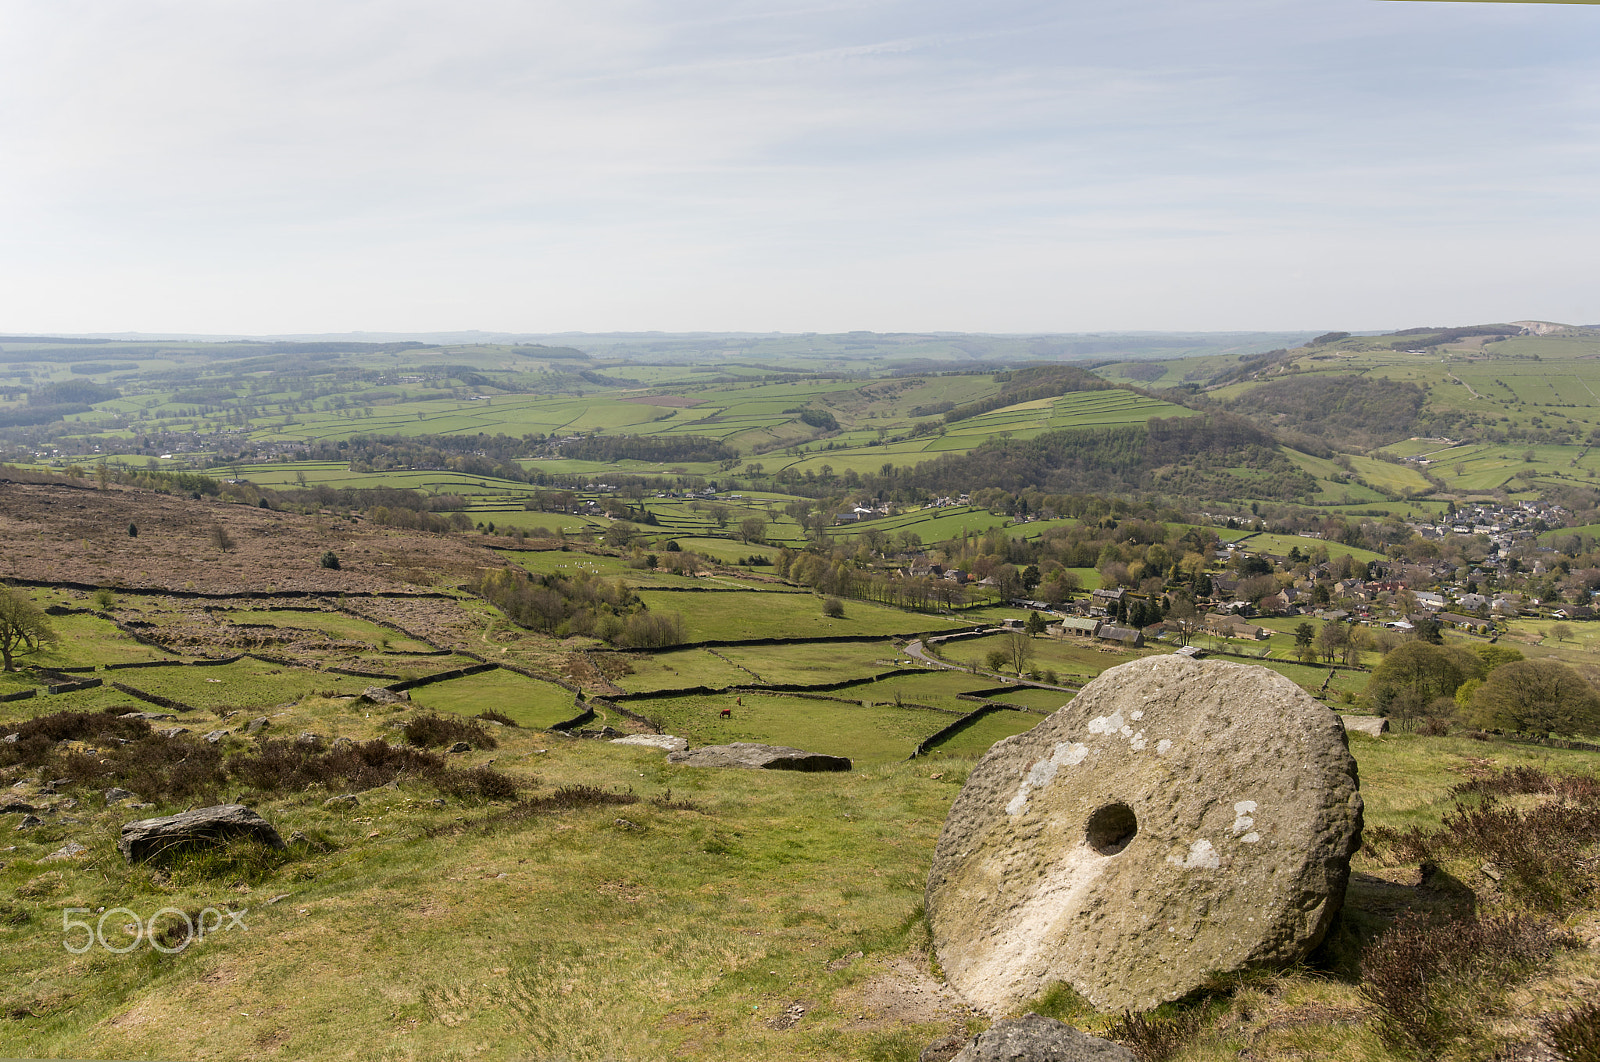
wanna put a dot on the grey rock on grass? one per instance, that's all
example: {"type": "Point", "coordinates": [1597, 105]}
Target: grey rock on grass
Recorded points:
{"type": "Point", "coordinates": [759, 757]}
{"type": "Point", "coordinates": [1178, 819]}
{"type": "Point", "coordinates": [1034, 1038]}
{"type": "Point", "coordinates": [1371, 725]}
{"type": "Point", "coordinates": [665, 742]}
{"type": "Point", "coordinates": [145, 838]}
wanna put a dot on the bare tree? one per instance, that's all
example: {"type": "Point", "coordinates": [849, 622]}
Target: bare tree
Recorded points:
{"type": "Point", "coordinates": [1019, 650]}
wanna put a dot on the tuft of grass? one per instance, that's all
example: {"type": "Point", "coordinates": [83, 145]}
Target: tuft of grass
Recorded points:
{"type": "Point", "coordinates": [1576, 1033]}
{"type": "Point", "coordinates": [1152, 1037]}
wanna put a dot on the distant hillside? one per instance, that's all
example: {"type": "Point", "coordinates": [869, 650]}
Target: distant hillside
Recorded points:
{"type": "Point", "coordinates": [1356, 410]}
{"type": "Point", "coordinates": [1212, 457]}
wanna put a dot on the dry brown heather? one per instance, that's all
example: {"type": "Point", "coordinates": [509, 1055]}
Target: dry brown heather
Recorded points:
{"type": "Point", "coordinates": [59, 533]}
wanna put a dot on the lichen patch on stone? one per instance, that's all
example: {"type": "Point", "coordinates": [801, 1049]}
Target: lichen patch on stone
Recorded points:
{"type": "Point", "coordinates": [1202, 856]}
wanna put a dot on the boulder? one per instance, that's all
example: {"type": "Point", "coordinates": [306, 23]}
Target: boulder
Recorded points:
{"type": "Point", "coordinates": [379, 695]}
{"type": "Point", "coordinates": [11, 739]}
{"type": "Point", "coordinates": [256, 726]}
{"type": "Point", "coordinates": [117, 794]}
{"type": "Point", "coordinates": [1034, 1038]}
{"type": "Point", "coordinates": [215, 737]}
{"type": "Point", "coordinates": [459, 747]}
{"type": "Point", "coordinates": [1372, 725]}
{"type": "Point", "coordinates": [204, 826]}
{"type": "Point", "coordinates": [664, 742]}
{"type": "Point", "coordinates": [1178, 819]}
{"type": "Point", "coordinates": [150, 717]}
{"type": "Point", "coordinates": [29, 822]}
{"type": "Point", "coordinates": [759, 757]}
{"type": "Point", "coordinates": [342, 802]}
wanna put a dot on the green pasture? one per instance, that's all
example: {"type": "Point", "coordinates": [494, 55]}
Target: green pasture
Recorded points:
{"type": "Point", "coordinates": [1040, 700]}
{"type": "Point", "coordinates": [868, 736]}
{"type": "Point", "coordinates": [87, 641]}
{"type": "Point", "coordinates": [1070, 657]}
{"type": "Point", "coordinates": [744, 615]}
{"type": "Point", "coordinates": [528, 701]}
{"type": "Point", "coordinates": [934, 688]}
{"type": "Point", "coordinates": [245, 684]}
{"type": "Point", "coordinates": [678, 669]}
{"type": "Point", "coordinates": [933, 525]}
{"type": "Point", "coordinates": [1280, 545]}
{"type": "Point", "coordinates": [818, 662]}
{"type": "Point", "coordinates": [976, 737]}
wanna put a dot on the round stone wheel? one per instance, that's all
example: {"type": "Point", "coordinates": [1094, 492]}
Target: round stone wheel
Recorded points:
{"type": "Point", "coordinates": [1179, 819]}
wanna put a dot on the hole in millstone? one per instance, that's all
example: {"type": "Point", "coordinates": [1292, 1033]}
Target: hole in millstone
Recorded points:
{"type": "Point", "coordinates": [1111, 828]}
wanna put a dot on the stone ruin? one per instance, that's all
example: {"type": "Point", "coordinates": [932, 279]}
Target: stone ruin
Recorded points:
{"type": "Point", "coordinates": [1177, 820]}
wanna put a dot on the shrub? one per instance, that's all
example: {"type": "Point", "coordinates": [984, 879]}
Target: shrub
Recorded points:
{"type": "Point", "coordinates": [498, 717]}
{"type": "Point", "coordinates": [1544, 852]}
{"type": "Point", "coordinates": [133, 530]}
{"type": "Point", "coordinates": [833, 608]}
{"type": "Point", "coordinates": [437, 731]}
{"type": "Point", "coordinates": [1432, 983]}
{"type": "Point", "coordinates": [329, 560]}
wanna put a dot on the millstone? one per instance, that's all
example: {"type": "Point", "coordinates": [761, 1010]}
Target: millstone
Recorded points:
{"type": "Point", "coordinates": [1178, 819]}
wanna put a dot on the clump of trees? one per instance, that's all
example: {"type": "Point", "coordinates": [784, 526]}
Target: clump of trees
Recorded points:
{"type": "Point", "coordinates": [1492, 687]}
{"type": "Point", "coordinates": [579, 604]}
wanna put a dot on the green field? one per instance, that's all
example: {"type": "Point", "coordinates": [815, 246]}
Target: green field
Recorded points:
{"type": "Point", "coordinates": [976, 737]}
{"type": "Point", "coordinates": [867, 736]}
{"type": "Point", "coordinates": [528, 701]}
{"type": "Point", "coordinates": [738, 616]}
{"type": "Point", "coordinates": [246, 684]}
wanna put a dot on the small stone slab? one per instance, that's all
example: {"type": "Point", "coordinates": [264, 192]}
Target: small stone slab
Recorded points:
{"type": "Point", "coordinates": [1373, 725]}
{"type": "Point", "coordinates": [759, 757]}
{"type": "Point", "coordinates": [1178, 819]}
{"type": "Point", "coordinates": [150, 837]}
{"type": "Point", "coordinates": [665, 742]}
{"type": "Point", "coordinates": [1035, 1038]}
{"type": "Point", "coordinates": [379, 695]}
{"type": "Point", "coordinates": [150, 717]}
{"type": "Point", "coordinates": [70, 850]}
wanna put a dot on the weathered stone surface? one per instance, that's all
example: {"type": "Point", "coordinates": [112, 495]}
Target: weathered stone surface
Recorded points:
{"type": "Point", "coordinates": [70, 850]}
{"type": "Point", "coordinates": [459, 747]}
{"type": "Point", "coordinates": [665, 742]}
{"type": "Point", "coordinates": [379, 695]}
{"type": "Point", "coordinates": [1179, 818]}
{"type": "Point", "coordinates": [759, 757]}
{"type": "Point", "coordinates": [151, 717]}
{"type": "Point", "coordinates": [1034, 1038]}
{"type": "Point", "coordinates": [116, 794]}
{"type": "Point", "coordinates": [256, 726]}
{"type": "Point", "coordinates": [215, 737]}
{"type": "Point", "coordinates": [148, 837]}
{"type": "Point", "coordinates": [1374, 725]}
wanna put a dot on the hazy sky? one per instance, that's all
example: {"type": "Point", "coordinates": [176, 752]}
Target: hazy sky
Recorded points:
{"type": "Point", "coordinates": [1007, 166]}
